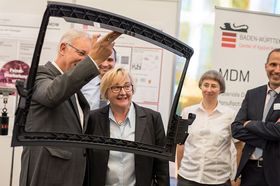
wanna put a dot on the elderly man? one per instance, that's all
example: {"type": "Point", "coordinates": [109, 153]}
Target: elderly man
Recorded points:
{"type": "Point", "coordinates": [59, 106]}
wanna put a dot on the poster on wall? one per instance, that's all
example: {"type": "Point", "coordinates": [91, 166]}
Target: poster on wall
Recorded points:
{"type": "Point", "coordinates": [18, 35]}
{"type": "Point", "coordinates": [16, 46]}
{"type": "Point", "coordinates": [242, 41]}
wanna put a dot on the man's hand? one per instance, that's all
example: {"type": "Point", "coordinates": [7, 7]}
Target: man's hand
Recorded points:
{"type": "Point", "coordinates": [236, 183]}
{"type": "Point", "coordinates": [102, 47]}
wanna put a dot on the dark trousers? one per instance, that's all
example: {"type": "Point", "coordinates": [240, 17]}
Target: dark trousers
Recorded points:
{"type": "Point", "coordinates": [253, 174]}
{"type": "Point", "coordinates": [183, 182]}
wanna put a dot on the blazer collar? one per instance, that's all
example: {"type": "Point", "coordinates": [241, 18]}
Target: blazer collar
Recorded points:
{"type": "Point", "coordinates": [73, 103]}
{"type": "Point", "coordinates": [140, 122]}
{"type": "Point", "coordinates": [104, 121]}
{"type": "Point", "coordinates": [52, 69]}
{"type": "Point", "coordinates": [85, 108]}
{"type": "Point", "coordinates": [259, 103]}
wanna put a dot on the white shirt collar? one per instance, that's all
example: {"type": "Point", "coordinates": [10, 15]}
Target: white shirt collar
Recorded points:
{"type": "Point", "coordinates": [129, 116]}
{"type": "Point", "coordinates": [277, 90]}
{"type": "Point", "coordinates": [218, 108]}
{"type": "Point", "coordinates": [57, 67]}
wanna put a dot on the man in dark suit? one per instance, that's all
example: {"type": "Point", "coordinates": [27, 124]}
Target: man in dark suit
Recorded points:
{"type": "Point", "coordinates": [123, 119]}
{"type": "Point", "coordinates": [59, 106]}
{"type": "Point", "coordinates": [260, 160]}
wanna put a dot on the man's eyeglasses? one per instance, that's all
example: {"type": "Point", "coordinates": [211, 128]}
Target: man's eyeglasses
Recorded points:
{"type": "Point", "coordinates": [117, 88]}
{"type": "Point", "coordinates": [80, 52]}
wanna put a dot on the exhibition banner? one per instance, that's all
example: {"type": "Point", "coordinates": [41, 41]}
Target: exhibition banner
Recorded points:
{"type": "Point", "coordinates": [242, 41]}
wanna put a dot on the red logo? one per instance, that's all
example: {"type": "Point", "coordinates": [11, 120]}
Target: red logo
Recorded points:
{"type": "Point", "coordinates": [229, 34]}
{"type": "Point", "coordinates": [229, 39]}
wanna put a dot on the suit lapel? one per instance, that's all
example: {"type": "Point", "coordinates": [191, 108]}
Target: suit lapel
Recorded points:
{"type": "Point", "coordinates": [55, 72]}
{"type": "Point", "coordinates": [73, 103]}
{"type": "Point", "coordinates": [140, 123]}
{"type": "Point", "coordinates": [85, 108]}
{"type": "Point", "coordinates": [259, 103]}
{"type": "Point", "coordinates": [104, 121]}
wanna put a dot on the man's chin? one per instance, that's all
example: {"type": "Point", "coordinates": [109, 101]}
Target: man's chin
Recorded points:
{"type": "Point", "coordinates": [275, 84]}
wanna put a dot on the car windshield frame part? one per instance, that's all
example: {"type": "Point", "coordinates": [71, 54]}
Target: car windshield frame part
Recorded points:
{"type": "Point", "coordinates": [91, 16]}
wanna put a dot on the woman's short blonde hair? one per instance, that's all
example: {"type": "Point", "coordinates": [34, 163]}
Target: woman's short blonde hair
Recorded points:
{"type": "Point", "coordinates": [216, 76]}
{"type": "Point", "coordinates": [113, 77]}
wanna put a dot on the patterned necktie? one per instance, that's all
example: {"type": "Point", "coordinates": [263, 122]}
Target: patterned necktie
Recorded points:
{"type": "Point", "coordinates": [272, 93]}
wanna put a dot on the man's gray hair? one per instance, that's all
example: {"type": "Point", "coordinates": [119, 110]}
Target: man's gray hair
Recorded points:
{"type": "Point", "coordinates": [72, 35]}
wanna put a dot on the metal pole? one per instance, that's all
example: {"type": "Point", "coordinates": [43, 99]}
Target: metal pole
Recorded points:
{"type": "Point", "coordinates": [12, 167]}
{"type": "Point", "coordinates": [13, 151]}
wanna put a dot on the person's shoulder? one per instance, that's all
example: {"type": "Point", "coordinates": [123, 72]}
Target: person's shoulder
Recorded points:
{"type": "Point", "coordinates": [189, 109]}
{"type": "Point", "coordinates": [251, 93]}
{"type": "Point", "coordinates": [97, 112]}
{"type": "Point", "coordinates": [46, 71]}
{"type": "Point", "coordinates": [47, 68]}
{"type": "Point", "coordinates": [44, 67]}
{"type": "Point", "coordinates": [144, 109]}
{"type": "Point", "coordinates": [263, 87]}
{"type": "Point", "coordinates": [227, 109]}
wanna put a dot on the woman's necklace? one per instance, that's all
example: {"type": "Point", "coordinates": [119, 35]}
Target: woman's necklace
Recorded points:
{"type": "Point", "coordinates": [119, 122]}
{"type": "Point", "coordinates": [120, 115]}
{"type": "Point", "coordinates": [120, 118]}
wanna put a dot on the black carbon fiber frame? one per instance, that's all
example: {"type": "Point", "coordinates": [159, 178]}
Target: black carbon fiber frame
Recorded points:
{"type": "Point", "coordinates": [87, 15]}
